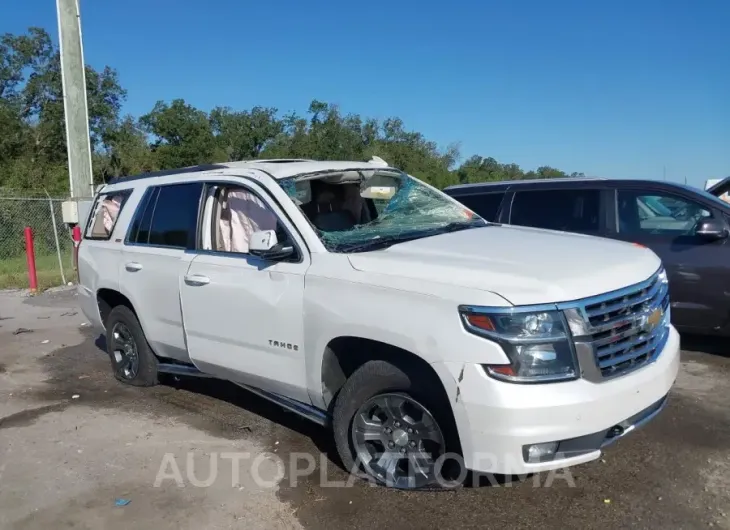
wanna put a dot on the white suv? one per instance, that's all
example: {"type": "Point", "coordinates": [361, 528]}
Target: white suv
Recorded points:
{"type": "Point", "coordinates": [368, 301]}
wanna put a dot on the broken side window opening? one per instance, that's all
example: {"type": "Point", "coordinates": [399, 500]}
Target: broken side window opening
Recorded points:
{"type": "Point", "coordinates": [105, 213]}
{"type": "Point", "coordinates": [362, 209]}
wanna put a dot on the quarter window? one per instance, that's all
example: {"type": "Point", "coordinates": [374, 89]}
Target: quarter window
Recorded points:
{"type": "Point", "coordinates": [565, 210]}
{"type": "Point", "coordinates": [106, 211]}
{"type": "Point", "coordinates": [657, 213]}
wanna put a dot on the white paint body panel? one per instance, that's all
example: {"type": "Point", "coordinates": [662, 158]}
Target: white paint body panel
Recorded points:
{"type": "Point", "coordinates": [406, 296]}
{"type": "Point", "coordinates": [497, 419]}
{"type": "Point", "coordinates": [524, 265]}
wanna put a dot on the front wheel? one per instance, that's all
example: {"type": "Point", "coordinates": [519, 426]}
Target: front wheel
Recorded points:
{"type": "Point", "coordinates": [389, 428]}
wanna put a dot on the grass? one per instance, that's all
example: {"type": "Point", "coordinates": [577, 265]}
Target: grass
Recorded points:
{"type": "Point", "coordinates": [14, 272]}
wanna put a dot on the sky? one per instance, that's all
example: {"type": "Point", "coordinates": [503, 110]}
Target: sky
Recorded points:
{"type": "Point", "coordinates": [620, 88]}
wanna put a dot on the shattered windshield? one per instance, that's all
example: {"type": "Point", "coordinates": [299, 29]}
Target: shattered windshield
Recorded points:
{"type": "Point", "coordinates": [366, 209]}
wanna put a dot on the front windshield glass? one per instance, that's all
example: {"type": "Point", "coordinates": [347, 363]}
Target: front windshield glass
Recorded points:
{"type": "Point", "coordinates": [365, 209]}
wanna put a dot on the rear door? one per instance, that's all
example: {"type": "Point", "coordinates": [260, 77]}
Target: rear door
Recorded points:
{"type": "Point", "coordinates": [154, 259]}
{"type": "Point", "coordinates": [665, 222]}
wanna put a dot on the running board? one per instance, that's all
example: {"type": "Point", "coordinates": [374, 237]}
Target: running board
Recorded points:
{"type": "Point", "coordinates": [302, 409]}
{"type": "Point", "coordinates": [307, 411]}
{"type": "Point", "coordinates": [181, 369]}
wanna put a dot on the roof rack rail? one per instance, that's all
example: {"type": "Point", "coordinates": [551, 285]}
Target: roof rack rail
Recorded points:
{"type": "Point", "coordinates": [165, 172]}
{"type": "Point", "coordinates": [279, 160]}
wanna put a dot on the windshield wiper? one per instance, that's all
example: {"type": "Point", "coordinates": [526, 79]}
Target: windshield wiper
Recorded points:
{"type": "Point", "coordinates": [378, 242]}
{"type": "Point", "coordinates": [461, 225]}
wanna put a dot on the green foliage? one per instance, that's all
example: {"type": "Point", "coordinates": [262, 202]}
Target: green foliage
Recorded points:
{"type": "Point", "coordinates": [244, 135]}
{"type": "Point", "coordinates": [183, 134]}
{"type": "Point", "coordinates": [176, 134]}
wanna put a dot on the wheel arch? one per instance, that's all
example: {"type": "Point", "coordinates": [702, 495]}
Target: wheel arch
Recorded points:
{"type": "Point", "coordinates": [345, 354]}
{"type": "Point", "coordinates": [107, 299]}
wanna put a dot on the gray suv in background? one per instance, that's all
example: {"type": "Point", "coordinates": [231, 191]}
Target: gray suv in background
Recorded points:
{"type": "Point", "coordinates": [686, 227]}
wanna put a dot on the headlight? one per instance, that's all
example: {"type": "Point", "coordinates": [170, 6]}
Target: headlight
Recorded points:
{"type": "Point", "coordinates": [537, 343]}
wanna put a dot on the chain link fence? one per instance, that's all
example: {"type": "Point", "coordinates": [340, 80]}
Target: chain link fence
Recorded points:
{"type": "Point", "coordinates": [52, 239]}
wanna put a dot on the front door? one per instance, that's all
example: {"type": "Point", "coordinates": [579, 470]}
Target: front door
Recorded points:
{"type": "Point", "coordinates": [699, 285]}
{"type": "Point", "coordinates": [243, 316]}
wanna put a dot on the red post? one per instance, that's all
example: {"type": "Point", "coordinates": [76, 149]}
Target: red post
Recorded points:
{"type": "Point", "coordinates": [76, 236]}
{"type": "Point", "coordinates": [30, 254]}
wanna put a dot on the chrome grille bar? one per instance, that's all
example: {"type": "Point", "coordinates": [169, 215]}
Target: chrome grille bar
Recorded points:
{"type": "Point", "coordinates": [625, 303]}
{"type": "Point", "coordinates": [630, 354]}
{"type": "Point", "coordinates": [627, 330]}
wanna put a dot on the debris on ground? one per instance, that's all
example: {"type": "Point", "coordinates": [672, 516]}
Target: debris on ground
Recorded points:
{"type": "Point", "coordinates": [22, 330]}
{"type": "Point", "coordinates": [122, 502]}
{"type": "Point", "coordinates": [75, 396]}
{"type": "Point", "coordinates": [45, 341]}
{"type": "Point", "coordinates": [69, 313]}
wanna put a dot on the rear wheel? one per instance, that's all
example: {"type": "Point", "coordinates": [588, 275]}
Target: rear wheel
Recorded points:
{"type": "Point", "coordinates": [132, 359]}
{"type": "Point", "coordinates": [387, 427]}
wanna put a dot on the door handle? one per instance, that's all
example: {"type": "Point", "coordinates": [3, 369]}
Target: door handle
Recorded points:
{"type": "Point", "coordinates": [196, 280]}
{"type": "Point", "coordinates": [133, 266]}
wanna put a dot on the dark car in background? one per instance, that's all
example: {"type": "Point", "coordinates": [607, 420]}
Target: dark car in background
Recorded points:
{"type": "Point", "coordinates": [688, 228]}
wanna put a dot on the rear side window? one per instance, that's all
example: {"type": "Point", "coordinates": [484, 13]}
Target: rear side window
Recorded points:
{"type": "Point", "coordinates": [565, 210]}
{"type": "Point", "coordinates": [105, 213]}
{"type": "Point", "coordinates": [168, 216]}
{"type": "Point", "coordinates": [486, 204]}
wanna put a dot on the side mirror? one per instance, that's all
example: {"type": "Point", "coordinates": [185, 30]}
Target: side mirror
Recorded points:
{"type": "Point", "coordinates": [265, 245]}
{"type": "Point", "coordinates": [711, 229]}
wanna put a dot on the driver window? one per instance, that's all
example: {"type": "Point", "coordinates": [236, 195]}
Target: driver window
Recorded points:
{"type": "Point", "coordinates": [658, 214]}
{"type": "Point", "coordinates": [236, 213]}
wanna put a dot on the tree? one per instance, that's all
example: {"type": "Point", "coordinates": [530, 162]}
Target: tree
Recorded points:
{"type": "Point", "coordinates": [183, 134]}
{"type": "Point", "coordinates": [32, 113]}
{"type": "Point", "coordinates": [547, 172]}
{"type": "Point", "coordinates": [128, 152]}
{"type": "Point", "coordinates": [243, 135]}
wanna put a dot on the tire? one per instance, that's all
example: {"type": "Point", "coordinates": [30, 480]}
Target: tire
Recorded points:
{"type": "Point", "coordinates": [123, 322]}
{"type": "Point", "coordinates": [382, 380]}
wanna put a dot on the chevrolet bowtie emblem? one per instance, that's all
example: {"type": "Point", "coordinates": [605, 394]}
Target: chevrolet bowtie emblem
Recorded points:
{"type": "Point", "coordinates": [653, 319]}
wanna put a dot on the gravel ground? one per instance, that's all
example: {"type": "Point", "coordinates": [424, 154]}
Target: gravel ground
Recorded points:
{"type": "Point", "coordinates": [73, 442]}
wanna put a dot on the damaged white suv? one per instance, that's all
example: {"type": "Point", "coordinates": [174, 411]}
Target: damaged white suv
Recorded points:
{"type": "Point", "coordinates": [370, 302]}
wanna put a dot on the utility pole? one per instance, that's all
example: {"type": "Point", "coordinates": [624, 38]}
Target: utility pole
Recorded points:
{"type": "Point", "coordinates": [73, 75]}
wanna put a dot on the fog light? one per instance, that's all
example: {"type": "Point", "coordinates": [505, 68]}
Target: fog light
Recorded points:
{"type": "Point", "coordinates": [540, 452]}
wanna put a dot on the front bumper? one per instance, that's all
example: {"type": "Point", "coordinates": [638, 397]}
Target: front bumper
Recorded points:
{"type": "Point", "coordinates": [497, 420]}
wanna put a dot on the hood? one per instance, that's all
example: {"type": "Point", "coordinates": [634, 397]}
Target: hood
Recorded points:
{"type": "Point", "coordinates": [524, 265]}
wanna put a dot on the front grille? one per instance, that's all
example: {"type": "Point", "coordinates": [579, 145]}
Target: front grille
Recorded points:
{"type": "Point", "coordinates": [629, 328]}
